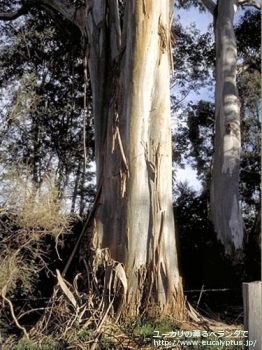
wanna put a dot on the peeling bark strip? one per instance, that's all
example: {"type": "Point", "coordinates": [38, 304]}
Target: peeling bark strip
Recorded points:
{"type": "Point", "coordinates": [162, 31]}
{"type": "Point", "coordinates": [225, 208]}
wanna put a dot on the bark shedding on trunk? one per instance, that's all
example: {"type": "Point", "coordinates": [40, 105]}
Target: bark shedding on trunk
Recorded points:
{"type": "Point", "coordinates": [225, 206]}
{"type": "Point", "coordinates": [129, 69]}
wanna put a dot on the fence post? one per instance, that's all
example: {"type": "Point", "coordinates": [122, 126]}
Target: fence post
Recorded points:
{"type": "Point", "coordinates": [252, 314]}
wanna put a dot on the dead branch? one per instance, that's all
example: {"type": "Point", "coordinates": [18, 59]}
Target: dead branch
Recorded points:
{"type": "Point", "coordinates": [9, 16]}
{"type": "Point", "coordinates": [12, 312]}
{"type": "Point", "coordinates": [89, 218]}
{"type": "Point", "coordinates": [252, 3]}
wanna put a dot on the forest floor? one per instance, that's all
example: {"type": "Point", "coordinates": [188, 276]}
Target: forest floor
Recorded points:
{"type": "Point", "coordinates": [166, 334]}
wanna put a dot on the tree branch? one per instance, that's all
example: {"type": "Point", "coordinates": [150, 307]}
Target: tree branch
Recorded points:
{"type": "Point", "coordinates": [51, 6]}
{"type": "Point", "coordinates": [253, 3]}
{"type": "Point", "coordinates": [210, 5]}
{"type": "Point", "coordinates": [60, 6]}
{"type": "Point", "coordinates": [12, 310]}
{"type": "Point", "coordinates": [9, 16]}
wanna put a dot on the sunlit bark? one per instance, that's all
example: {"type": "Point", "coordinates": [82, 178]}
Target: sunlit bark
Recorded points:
{"type": "Point", "coordinates": [131, 97]}
{"type": "Point", "coordinates": [225, 206]}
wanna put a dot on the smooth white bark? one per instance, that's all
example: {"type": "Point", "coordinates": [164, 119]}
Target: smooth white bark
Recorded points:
{"type": "Point", "coordinates": [135, 220]}
{"type": "Point", "coordinates": [225, 206]}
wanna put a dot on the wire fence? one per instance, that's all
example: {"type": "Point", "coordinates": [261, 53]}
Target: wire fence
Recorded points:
{"type": "Point", "coordinates": [202, 290]}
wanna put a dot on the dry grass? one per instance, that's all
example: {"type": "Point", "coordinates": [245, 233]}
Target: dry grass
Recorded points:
{"type": "Point", "coordinates": [29, 214]}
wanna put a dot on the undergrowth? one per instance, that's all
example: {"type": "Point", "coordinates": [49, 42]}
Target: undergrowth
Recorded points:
{"type": "Point", "coordinates": [131, 333]}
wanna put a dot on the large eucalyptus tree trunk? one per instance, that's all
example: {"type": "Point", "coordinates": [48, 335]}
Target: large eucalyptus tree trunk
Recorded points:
{"type": "Point", "coordinates": [129, 69]}
{"type": "Point", "coordinates": [225, 206]}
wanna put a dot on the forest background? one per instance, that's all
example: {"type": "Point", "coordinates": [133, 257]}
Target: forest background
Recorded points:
{"type": "Point", "coordinates": [47, 142]}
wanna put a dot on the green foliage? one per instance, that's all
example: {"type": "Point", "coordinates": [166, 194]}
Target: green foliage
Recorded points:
{"type": "Point", "coordinates": [187, 4]}
{"type": "Point", "coordinates": [42, 112]}
{"type": "Point", "coordinates": [248, 34]}
{"type": "Point", "coordinates": [107, 344]}
{"type": "Point", "coordinates": [193, 55]}
{"type": "Point", "coordinates": [201, 256]}
{"type": "Point", "coordinates": [85, 334]}
{"type": "Point", "coordinates": [143, 329]}
{"type": "Point", "coordinates": [28, 345]}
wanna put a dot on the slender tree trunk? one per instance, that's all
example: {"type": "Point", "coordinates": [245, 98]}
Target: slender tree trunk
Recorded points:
{"type": "Point", "coordinates": [129, 71]}
{"type": "Point", "coordinates": [225, 207]}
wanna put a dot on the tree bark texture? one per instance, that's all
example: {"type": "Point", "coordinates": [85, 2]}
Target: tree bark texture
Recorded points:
{"type": "Point", "coordinates": [225, 207]}
{"type": "Point", "coordinates": [129, 69]}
